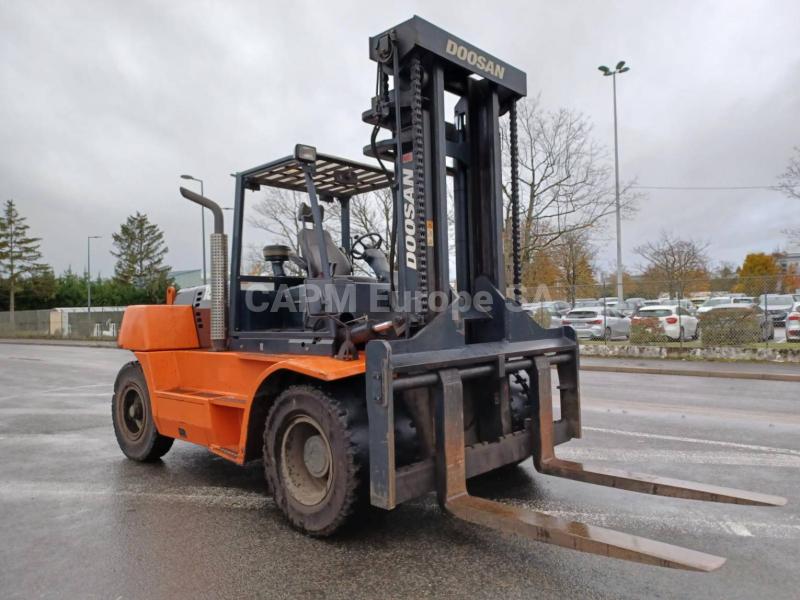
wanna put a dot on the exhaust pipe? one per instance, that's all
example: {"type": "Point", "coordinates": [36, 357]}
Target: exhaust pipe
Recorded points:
{"type": "Point", "coordinates": [219, 276]}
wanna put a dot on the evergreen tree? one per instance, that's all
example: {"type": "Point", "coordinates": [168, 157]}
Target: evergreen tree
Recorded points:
{"type": "Point", "coordinates": [19, 253]}
{"type": "Point", "coordinates": [140, 250]}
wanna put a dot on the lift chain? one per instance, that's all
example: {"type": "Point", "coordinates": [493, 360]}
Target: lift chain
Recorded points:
{"type": "Point", "coordinates": [515, 241]}
{"type": "Point", "coordinates": [418, 147]}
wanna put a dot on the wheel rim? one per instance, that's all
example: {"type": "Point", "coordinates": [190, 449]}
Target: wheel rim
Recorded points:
{"type": "Point", "coordinates": [306, 461]}
{"type": "Point", "coordinates": [133, 413]}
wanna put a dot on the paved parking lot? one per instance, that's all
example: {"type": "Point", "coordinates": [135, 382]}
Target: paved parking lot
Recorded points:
{"type": "Point", "coordinates": [79, 520]}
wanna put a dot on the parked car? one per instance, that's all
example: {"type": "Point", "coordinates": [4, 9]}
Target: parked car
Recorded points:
{"type": "Point", "coordinates": [561, 307]}
{"type": "Point", "coordinates": [651, 303]}
{"type": "Point", "coordinates": [683, 303]}
{"type": "Point", "coordinates": [637, 301]}
{"type": "Point", "coordinates": [777, 306]}
{"type": "Point", "coordinates": [675, 322]}
{"type": "Point", "coordinates": [586, 302]}
{"type": "Point", "coordinates": [596, 322]}
{"type": "Point", "coordinates": [793, 324]}
{"type": "Point", "coordinates": [743, 300]}
{"type": "Point", "coordinates": [765, 325]}
{"type": "Point", "coordinates": [699, 301]}
{"type": "Point", "coordinates": [712, 302]}
{"type": "Point", "coordinates": [549, 307]}
{"type": "Point", "coordinates": [629, 307]}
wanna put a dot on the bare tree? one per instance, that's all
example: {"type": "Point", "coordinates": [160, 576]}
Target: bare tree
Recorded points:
{"type": "Point", "coordinates": [789, 184]}
{"type": "Point", "coordinates": [789, 180]}
{"type": "Point", "coordinates": [573, 257]}
{"type": "Point", "coordinates": [566, 177]}
{"type": "Point", "coordinates": [276, 214]}
{"type": "Point", "coordinates": [674, 261]}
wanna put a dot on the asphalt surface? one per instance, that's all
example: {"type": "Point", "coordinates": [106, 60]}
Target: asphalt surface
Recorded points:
{"type": "Point", "coordinates": [77, 519]}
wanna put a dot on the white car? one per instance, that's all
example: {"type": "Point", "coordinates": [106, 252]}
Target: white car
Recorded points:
{"type": "Point", "coordinates": [793, 324]}
{"type": "Point", "coordinates": [675, 322]}
{"type": "Point", "coordinates": [712, 302]}
{"type": "Point", "coordinates": [595, 322]}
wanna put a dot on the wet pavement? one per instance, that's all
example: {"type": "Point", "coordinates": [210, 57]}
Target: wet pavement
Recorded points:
{"type": "Point", "coordinates": [77, 519]}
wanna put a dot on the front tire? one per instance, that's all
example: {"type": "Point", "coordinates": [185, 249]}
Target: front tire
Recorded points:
{"type": "Point", "coordinates": [311, 461]}
{"type": "Point", "coordinates": [132, 416]}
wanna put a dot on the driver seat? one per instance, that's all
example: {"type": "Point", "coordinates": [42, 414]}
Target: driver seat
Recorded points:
{"type": "Point", "coordinates": [308, 241]}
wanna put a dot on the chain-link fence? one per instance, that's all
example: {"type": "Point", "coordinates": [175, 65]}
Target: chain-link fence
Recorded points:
{"type": "Point", "coordinates": [708, 312]}
{"type": "Point", "coordinates": [71, 323]}
{"type": "Point", "coordinates": [741, 312]}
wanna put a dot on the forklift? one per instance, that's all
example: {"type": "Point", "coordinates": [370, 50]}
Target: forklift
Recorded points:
{"type": "Point", "coordinates": [374, 390]}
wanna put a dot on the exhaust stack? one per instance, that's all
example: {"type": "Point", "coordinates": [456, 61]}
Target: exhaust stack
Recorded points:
{"type": "Point", "coordinates": [219, 279]}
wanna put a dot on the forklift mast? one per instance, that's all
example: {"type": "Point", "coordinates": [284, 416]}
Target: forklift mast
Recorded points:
{"type": "Point", "coordinates": [425, 63]}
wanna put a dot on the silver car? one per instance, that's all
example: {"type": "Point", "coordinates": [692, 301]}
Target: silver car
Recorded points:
{"type": "Point", "coordinates": [595, 322]}
{"type": "Point", "coordinates": [550, 308]}
{"type": "Point", "coordinates": [777, 306]}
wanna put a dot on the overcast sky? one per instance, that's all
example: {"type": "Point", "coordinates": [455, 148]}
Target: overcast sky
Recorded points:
{"type": "Point", "coordinates": [104, 104]}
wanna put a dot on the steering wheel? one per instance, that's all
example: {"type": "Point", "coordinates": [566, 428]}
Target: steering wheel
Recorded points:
{"type": "Point", "coordinates": [375, 242]}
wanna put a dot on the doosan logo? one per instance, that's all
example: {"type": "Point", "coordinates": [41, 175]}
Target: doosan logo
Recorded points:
{"type": "Point", "coordinates": [409, 216]}
{"type": "Point", "coordinates": [474, 59]}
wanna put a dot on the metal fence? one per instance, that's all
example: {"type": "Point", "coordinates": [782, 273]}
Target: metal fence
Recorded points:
{"type": "Point", "coordinates": [71, 323]}
{"type": "Point", "coordinates": [698, 312]}
{"type": "Point", "coordinates": [749, 312]}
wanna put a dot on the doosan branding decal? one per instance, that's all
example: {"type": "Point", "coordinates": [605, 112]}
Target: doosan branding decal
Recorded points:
{"type": "Point", "coordinates": [409, 213]}
{"type": "Point", "coordinates": [472, 58]}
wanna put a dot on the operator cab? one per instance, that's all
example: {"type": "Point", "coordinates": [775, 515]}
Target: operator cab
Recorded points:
{"type": "Point", "coordinates": [326, 302]}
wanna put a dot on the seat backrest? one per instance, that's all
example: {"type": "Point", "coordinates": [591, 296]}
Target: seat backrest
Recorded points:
{"type": "Point", "coordinates": [308, 242]}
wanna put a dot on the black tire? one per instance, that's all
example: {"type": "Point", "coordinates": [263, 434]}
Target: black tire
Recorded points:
{"type": "Point", "coordinates": [132, 416]}
{"type": "Point", "coordinates": [682, 335]}
{"type": "Point", "coordinates": [317, 490]}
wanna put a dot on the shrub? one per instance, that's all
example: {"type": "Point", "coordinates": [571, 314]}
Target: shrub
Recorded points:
{"type": "Point", "coordinates": [730, 327]}
{"type": "Point", "coordinates": [647, 331]}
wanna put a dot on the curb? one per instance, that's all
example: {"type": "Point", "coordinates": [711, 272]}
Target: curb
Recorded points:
{"type": "Point", "coordinates": [790, 377]}
{"type": "Point", "coordinates": [695, 373]}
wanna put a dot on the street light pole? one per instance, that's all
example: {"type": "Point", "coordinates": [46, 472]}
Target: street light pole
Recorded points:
{"type": "Point", "coordinates": [202, 222]}
{"type": "Point", "coordinates": [620, 68]}
{"type": "Point", "coordinates": [89, 275]}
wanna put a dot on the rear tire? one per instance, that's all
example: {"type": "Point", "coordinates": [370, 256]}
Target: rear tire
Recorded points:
{"type": "Point", "coordinates": [132, 416]}
{"type": "Point", "coordinates": [311, 461]}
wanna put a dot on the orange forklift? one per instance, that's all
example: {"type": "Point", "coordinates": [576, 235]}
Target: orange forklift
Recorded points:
{"type": "Point", "coordinates": [358, 390]}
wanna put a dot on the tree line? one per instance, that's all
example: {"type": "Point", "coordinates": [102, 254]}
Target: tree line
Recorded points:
{"type": "Point", "coordinates": [27, 283]}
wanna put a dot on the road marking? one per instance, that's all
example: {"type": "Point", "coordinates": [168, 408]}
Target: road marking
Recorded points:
{"type": "Point", "coordinates": [738, 528]}
{"type": "Point", "coordinates": [676, 438]}
{"type": "Point", "coordinates": [210, 496]}
{"type": "Point", "coordinates": [685, 409]}
{"type": "Point", "coordinates": [628, 455]}
{"type": "Point", "coordinates": [29, 393]}
{"type": "Point", "coordinates": [227, 498]}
